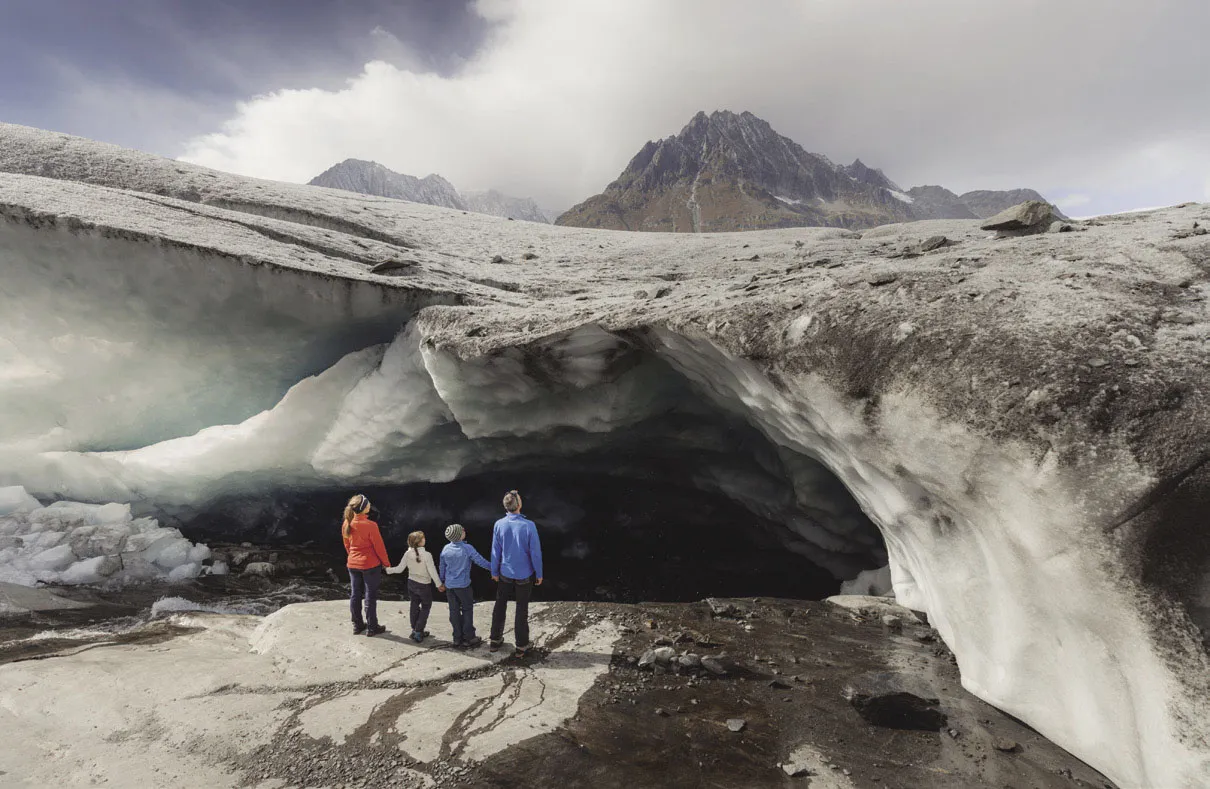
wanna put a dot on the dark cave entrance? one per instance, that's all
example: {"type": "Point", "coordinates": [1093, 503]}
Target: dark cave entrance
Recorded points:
{"type": "Point", "coordinates": [632, 538]}
{"type": "Point", "coordinates": [689, 500]}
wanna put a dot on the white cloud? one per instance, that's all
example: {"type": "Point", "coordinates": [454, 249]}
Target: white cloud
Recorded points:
{"type": "Point", "coordinates": [1075, 98]}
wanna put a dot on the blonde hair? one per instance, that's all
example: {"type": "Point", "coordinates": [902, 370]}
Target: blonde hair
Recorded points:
{"type": "Point", "coordinates": [414, 540]}
{"type": "Point", "coordinates": [512, 501]}
{"type": "Point", "coordinates": [358, 504]}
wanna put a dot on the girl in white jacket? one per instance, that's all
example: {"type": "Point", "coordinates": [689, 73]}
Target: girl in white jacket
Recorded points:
{"type": "Point", "coordinates": [422, 577]}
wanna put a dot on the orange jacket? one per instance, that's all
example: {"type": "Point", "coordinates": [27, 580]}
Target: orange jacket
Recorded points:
{"type": "Point", "coordinates": [364, 544]}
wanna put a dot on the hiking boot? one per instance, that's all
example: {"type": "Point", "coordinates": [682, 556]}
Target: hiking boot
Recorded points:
{"type": "Point", "coordinates": [474, 642]}
{"type": "Point", "coordinates": [521, 652]}
{"type": "Point", "coordinates": [459, 645]}
{"type": "Point", "coordinates": [374, 630]}
{"type": "Point", "coordinates": [358, 629]}
{"type": "Point", "coordinates": [417, 637]}
{"type": "Point", "coordinates": [494, 646]}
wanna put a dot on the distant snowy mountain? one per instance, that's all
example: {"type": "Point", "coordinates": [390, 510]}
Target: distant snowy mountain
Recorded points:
{"type": "Point", "coordinates": [371, 178]}
{"type": "Point", "coordinates": [725, 171]}
{"type": "Point", "coordinates": [500, 204]}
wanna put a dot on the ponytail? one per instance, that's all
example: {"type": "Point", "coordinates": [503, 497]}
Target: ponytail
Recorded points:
{"type": "Point", "coordinates": [414, 540]}
{"type": "Point", "coordinates": [356, 505]}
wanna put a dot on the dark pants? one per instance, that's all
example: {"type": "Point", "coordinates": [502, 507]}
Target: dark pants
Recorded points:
{"type": "Point", "coordinates": [522, 589]}
{"type": "Point", "coordinates": [462, 613]}
{"type": "Point", "coordinates": [365, 585]}
{"type": "Point", "coordinates": [421, 596]}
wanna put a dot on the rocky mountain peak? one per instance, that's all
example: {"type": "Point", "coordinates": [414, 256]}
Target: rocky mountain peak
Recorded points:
{"type": "Point", "coordinates": [859, 171]}
{"type": "Point", "coordinates": [732, 171]}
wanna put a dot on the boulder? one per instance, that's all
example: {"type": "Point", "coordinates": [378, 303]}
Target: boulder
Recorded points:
{"type": "Point", "coordinates": [1032, 215]}
{"type": "Point", "coordinates": [883, 699]}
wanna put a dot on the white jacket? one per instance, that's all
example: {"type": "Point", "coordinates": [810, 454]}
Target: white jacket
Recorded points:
{"type": "Point", "coordinates": [421, 570]}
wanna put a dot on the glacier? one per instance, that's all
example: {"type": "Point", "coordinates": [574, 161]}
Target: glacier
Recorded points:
{"type": "Point", "coordinates": [1015, 428]}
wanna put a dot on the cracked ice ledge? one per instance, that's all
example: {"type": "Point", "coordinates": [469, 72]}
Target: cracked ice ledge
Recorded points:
{"type": "Point", "coordinates": [1024, 419]}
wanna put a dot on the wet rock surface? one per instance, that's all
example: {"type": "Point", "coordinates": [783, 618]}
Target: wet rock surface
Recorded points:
{"type": "Point", "coordinates": [428, 715]}
{"type": "Point", "coordinates": [789, 673]}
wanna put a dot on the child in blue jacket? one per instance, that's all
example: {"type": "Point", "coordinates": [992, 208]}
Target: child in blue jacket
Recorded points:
{"type": "Point", "coordinates": [455, 572]}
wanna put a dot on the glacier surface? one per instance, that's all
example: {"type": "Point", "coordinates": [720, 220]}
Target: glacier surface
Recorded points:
{"type": "Point", "coordinates": [1023, 421]}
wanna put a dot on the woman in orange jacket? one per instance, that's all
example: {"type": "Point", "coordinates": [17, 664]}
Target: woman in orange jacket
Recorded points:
{"type": "Point", "coordinates": [367, 558]}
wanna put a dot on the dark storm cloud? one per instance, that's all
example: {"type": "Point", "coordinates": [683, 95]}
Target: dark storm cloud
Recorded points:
{"type": "Point", "coordinates": [151, 73]}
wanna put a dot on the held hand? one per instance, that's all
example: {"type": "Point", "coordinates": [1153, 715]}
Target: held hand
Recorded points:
{"type": "Point", "coordinates": [538, 582]}
{"type": "Point", "coordinates": [496, 578]}
{"type": "Point", "coordinates": [441, 588]}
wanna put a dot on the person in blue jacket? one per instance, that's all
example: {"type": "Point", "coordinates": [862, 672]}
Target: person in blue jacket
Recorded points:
{"type": "Point", "coordinates": [455, 572]}
{"type": "Point", "coordinates": [516, 568]}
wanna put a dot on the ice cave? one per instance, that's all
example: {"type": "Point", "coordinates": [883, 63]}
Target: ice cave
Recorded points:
{"type": "Point", "coordinates": [188, 355]}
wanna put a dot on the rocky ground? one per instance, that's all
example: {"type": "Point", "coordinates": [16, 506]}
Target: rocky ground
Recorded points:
{"type": "Point", "coordinates": [734, 693]}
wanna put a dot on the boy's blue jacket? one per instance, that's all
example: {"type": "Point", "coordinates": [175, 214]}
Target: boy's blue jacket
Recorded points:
{"type": "Point", "coordinates": [455, 567]}
{"type": "Point", "coordinates": [516, 551]}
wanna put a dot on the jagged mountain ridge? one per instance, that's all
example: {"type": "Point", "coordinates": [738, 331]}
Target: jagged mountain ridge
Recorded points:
{"type": "Point", "coordinates": [725, 171]}
{"type": "Point", "coordinates": [372, 178]}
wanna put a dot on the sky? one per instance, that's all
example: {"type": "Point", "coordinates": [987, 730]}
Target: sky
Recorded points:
{"type": "Point", "coordinates": [1101, 105]}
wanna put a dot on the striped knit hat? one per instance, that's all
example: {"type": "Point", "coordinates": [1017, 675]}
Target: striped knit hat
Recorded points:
{"type": "Point", "coordinates": [454, 532]}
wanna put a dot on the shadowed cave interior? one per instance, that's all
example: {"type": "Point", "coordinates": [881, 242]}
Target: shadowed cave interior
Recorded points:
{"type": "Point", "coordinates": [638, 521]}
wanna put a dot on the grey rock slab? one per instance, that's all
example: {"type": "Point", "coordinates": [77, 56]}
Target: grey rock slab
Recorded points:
{"type": "Point", "coordinates": [1028, 215]}
{"type": "Point", "coordinates": [21, 601]}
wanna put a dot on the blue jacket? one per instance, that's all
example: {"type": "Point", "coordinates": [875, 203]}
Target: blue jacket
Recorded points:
{"type": "Point", "coordinates": [516, 551]}
{"type": "Point", "coordinates": [455, 568]}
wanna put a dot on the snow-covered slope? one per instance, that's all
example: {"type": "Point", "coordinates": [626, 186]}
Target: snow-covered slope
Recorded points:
{"type": "Point", "coordinates": [1025, 420]}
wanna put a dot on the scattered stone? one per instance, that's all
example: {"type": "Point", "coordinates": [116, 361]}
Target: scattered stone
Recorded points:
{"type": "Point", "coordinates": [933, 242]}
{"type": "Point", "coordinates": [664, 655]}
{"type": "Point", "coordinates": [715, 666]}
{"type": "Point", "coordinates": [796, 769]}
{"type": "Point", "coordinates": [690, 660]}
{"type": "Point", "coordinates": [529, 256]}
{"type": "Point", "coordinates": [882, 699]}
{"type": "Point", "coordinates": [392, 265]}
{"type": "Point", "coordinates": [721, 607]}
{"type": "Point", "coordinates": [499, 259]}
{"type": "Point", "coordinates": [1059, 227]}
{"type": "Point", "coordinates": [661, 712]}
{"type": "Point", "coordinates": [647, 659]}
{"type": "Point", "coordinates": [1006, 745]}
{"type": "Point", "coordinates": [882, 279]}
{"type": "Point", "coordinates": [259, 568]}
{"type": "Point", "coordinates": [736, 724]}
{"type": "Point", "coordinates": [662, 292]}
{"type": "Point", "coordinates": [778, 684]}
{"type": "Point", "coordinates": [892, 621]}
